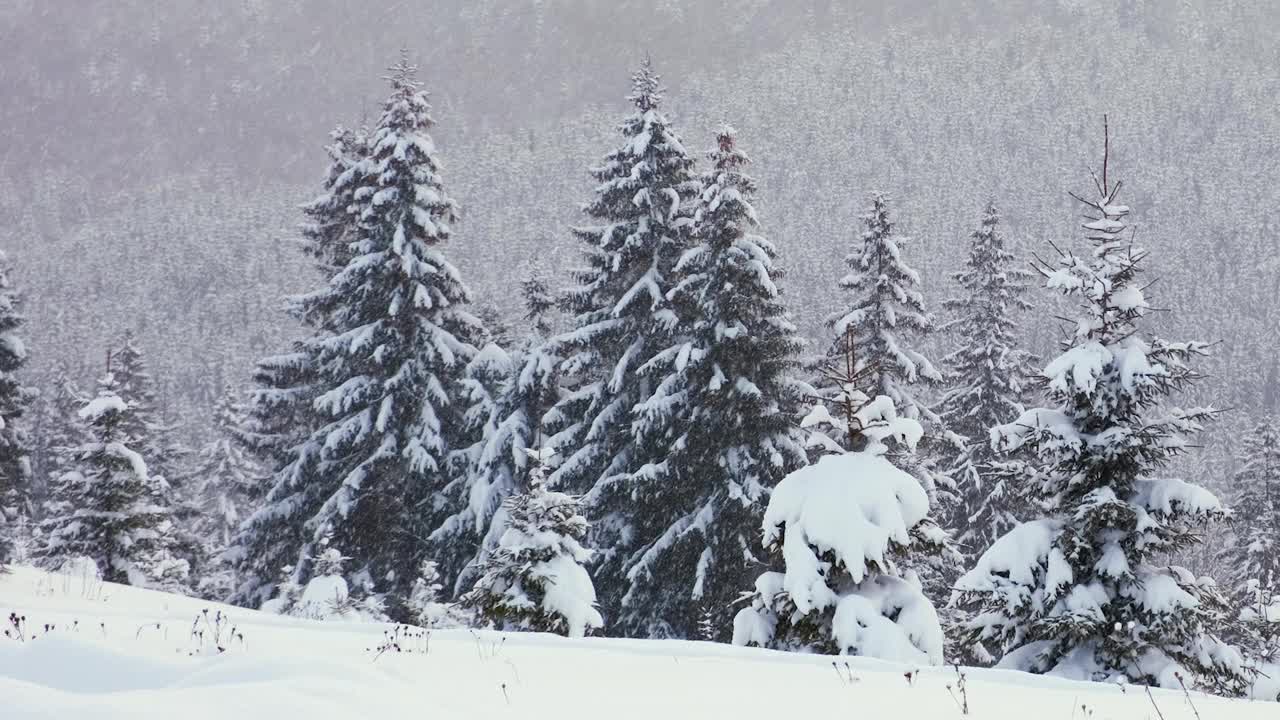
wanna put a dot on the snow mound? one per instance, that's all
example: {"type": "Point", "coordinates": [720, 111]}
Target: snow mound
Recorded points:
{"type": "Point", "coordinates": [569, 593]}
{"type": "Point", "coordinates": [856, 505]}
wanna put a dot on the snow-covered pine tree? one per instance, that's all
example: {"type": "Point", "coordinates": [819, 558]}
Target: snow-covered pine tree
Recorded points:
{"type": "Point", "coordinates": [723, 409]}
{"type": "Point", "coordinates": [116, 512]}
{"type": "Point", "coordinates": [534, 579]}
{"type": "Point", "coordinates": [479, 482]}
{"type": "Point", "coordinates": [327, 595]}
{"type": "Point", "coordinates": [426, 604]}
{"type": "Point", "coordinates": [331, 221]}
{"type": "Point", "coordinates": [279, 415]}
{"type": "Point", "coordinates": [990, 376]}
{"type": "Point", "coordinates": [621, 318]}
{"type": "Point", "coordinates": [388, 365]}
{"type": "Point", "coordinates": [1085, 591]}
{"type": "Point", "coordinates": [225, 478]}
{"type": "Point", "coordinates": [146, 422]}
{"type": "Point", "coordinates": [842, 526]}
{"type": "Point", "coordinates": [886, 316]}
{"type": "Point", "coordinates": [1253, 552]}
{"type": "Point", "coordinates": [15, 399]}
{"type": "Point", "coordinates": [878, 334]}
{"type": "Point", "coordinates": [57, 430]}
{"type": "Point", "coordinates": [539, 304]}
{"type": "Point", "coordinates": [157, 439]}
{"type": "Point", "coordinates": [507, 410]}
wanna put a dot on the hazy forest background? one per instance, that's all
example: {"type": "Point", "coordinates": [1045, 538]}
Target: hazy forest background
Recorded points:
{"type": "Point", "coordinates": [155, 154]}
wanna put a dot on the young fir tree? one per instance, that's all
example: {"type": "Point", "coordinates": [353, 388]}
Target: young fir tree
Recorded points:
{"type": "Point", "coordinates": [57, 431]}
{"type": "Point", "coordinates": [426, 604]}
{"type": "Point", "coordinates": [116, 512]}
{"type": "Point", "coordinates": [15, 399]}
{"type": "Point", "coordinates": [539, 304]}
{"type": "Point", "coordinates": [991, 376]}
{"type": "Point", "coordinates": [225, 473]}
{"type": "Point", "coordinates": [1086, 591]}
{"type": "Point", "coordinates": [621, 318]}
{"type": "Point", "coordinates": [158, 441]}
{"type": "Point", "coordinates": [388, 367]}
{"type": "Point", "coordinates": [1253, 553]}
{"type": "Point", "coordinates": [507, 408]}
{"type": "Point", "coordinates": [724, 409]}
{"type": "Point", "coordinates": [135, 384]}
{"type": "Point", "coordinates": [877, 334]}
{"type": "Point", "coordinates": [534, 579]}
{"type": "Point", "coordinates": [849, 531]}
{"type": "Point", "coordinates": [886, 316]}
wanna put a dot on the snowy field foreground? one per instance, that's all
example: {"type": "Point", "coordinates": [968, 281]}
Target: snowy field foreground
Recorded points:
{"type": "Point", "coordinates": [120, 652]}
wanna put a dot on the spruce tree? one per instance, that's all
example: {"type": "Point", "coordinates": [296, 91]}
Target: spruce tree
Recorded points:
{"type": "Point", "coordinates": [990, 378]}
{"type": "Point", "coordinates": [886, 316]}
{"type": "Point", "coordinates": [724, 411]}
{"type": "Point", "coordinates": [534, 578]}
{"type": "Point", "coordinates": [1085, 591]}
{"type": "Point", "coordinates": [850, 531]}
{"type": "Point", "coordinates": [621, 318]}
{"type": "Point", "coordinates": [508, 399]}
{"type": "Point", "coordinates": [387, 364]}
{"type": "Point", "coordinates": [1253, 552]}
{"type": "Point", "coordinates": [279, 414]}
{"type": "Point", "coordinates": [539, 303]}
{"type": "Point", "coordinates": [58, 430]}
{"type": "Point", "coordinates": [116, 512]}
{"type": "Point", "coordinates": [157, 440]}
{"type": "Point", "coordinates": [15, 399]}
{"type": "Point", "coordinates": [330, 225]}
{"type": "Point", "coordinates": [136, 385]}
{"type": "Point", "coordinates": [225, 473]}
{"type": "Point", "coordinates": [877, 337]}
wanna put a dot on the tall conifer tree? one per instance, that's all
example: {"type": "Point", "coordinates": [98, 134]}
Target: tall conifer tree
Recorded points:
{"type": "Point", "coordinates": [15, 399]}
{"type": "Point", "coordinates": [388, 364]}
{"type": "Point", "coordinates": [621, 318]}
{"type": "Point", "coordinates": [1086, 591]}
{"type": "Point", "coordinates": [725, 408]}
{"type": "Point", "coordinates": [991, 377]}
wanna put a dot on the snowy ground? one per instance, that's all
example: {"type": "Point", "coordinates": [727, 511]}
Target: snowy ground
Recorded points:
{"type": "Point", "coordinates": [118, 652]}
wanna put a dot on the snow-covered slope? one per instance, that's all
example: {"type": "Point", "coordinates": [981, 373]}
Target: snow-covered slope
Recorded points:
{"type": "Point", "coordinates": [119, 652]}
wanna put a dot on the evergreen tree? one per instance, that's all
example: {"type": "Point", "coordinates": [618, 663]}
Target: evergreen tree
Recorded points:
{"type": "Point", "coordinates": [136, 385]}
{"type": "Point", "coordinates": [539, 305]}
{"type": "Point", "coordinates": [15, 399]}
{"type": "Point", "coordinates": [723, 410]}
{"type": "Point", "coordinates": [117, 512]}
{"type": "Point", "coordinates": [57, 430]}
{"type": "Point", "coordinates": [158, 441]}
{"type": "Point", "coordinates": [387, 366]}
{"type": "Point", "coordinates": [426, 604]}
{"type": "Point", "coordinates": [509, 394]}
{"type": "Point", "coordinates": [991, 377]}
{"type": "Point", "coordinates": [621, 318]}
{"type": "Point", "coordinates": [1253, 553]}
{"type": "Point", "coordinates": [534, 579]}
{"type": "Point", "coordinates": [849, 531]}
{"type": "Point", "coordinates": [877, 335]}
{"type": "Point", "coordinates": [886, 314]}
{"type": "Point", "coordinates": [331, 221]}
{"type": "Point", "coordinates": [279, 415]}
{"type": "Point", "coordinates": [225, 473]}
{"type": "Point", "coordinates": [1084, 591]}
